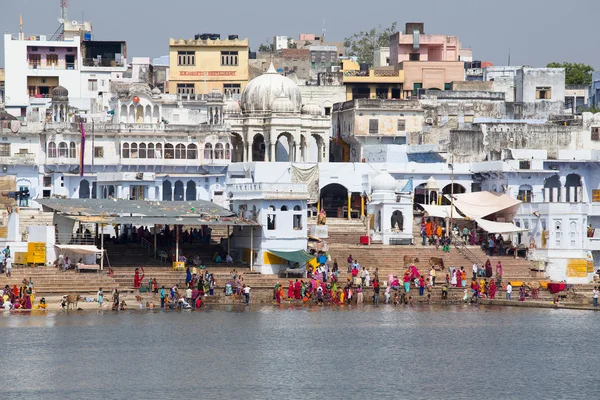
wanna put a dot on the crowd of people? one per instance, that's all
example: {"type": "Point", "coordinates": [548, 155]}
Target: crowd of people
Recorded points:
{"type": "Point", "coordinates": [23, 297]}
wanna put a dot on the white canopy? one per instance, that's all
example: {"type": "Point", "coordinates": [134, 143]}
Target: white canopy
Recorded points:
{"type": "Point", "coordinates": [79, 248]}
{"type": "Point", "coordinates": [441, 211]}
{"type": "Point", "coordinates": [498, 227]}
{"type": "Point", "coordinates": [483, 204]}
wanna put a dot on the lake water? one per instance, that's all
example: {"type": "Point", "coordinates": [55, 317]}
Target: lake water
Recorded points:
{"type": "Point", "coordinates": [264, 352]}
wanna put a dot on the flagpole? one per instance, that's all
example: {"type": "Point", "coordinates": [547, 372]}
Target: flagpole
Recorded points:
{"type": "Point", "coordinates": [82, 158]}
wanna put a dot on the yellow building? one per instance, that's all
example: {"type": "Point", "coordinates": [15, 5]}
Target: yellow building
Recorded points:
{"type": "Point", "coordinates": [372, 83]}
{"type": "Point", "coordinates": [200, 65]}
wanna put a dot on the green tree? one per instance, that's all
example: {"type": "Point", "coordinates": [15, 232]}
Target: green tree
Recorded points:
{"type": "Point", "coordinates": [575, 73]}
{"type": "Point", "coordinates": [362, 44]}
{"type": "Point", "coordinates": [266, 47]}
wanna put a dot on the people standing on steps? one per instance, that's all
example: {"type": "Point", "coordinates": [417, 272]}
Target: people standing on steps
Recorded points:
{"type": "Point", "coordinates": [162, 297]}
{"type": "Point", "coordinates": [433, 274]}
{"type": "Point", "coordinates": [509, 289]}
{"type": "Point", "coordinates": [376, 291]}
{"type": "Point", "coordinates": [475, 269]}
{"type": "Point", "coordinates": [350, 262]}
{"type": "Point", "coordinates": [246, 290]}
{"type": "Point", "coordinates": [100, 298]}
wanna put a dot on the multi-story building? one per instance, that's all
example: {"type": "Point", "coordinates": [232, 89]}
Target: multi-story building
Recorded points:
{"type": "Point", "coordinates": [207, 63]}
{"type": "Point", "coordinates": [363, 82]}
{"type": "Point", "coordinates": [428, 61]}
{"type": "Point", "coordinates": [35, 65]}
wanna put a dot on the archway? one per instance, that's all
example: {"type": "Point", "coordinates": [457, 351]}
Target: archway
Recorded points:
{"type": "Point", "coordinates": [258, 148]}
{"type": "Point", "coordinates": [420, 195]}
{"type": "Point", "coordinates": [397, 220]}
{"type": "Point", "coordinates": [237, 144]}
{"type": "Point", "coordinates": [123, 114]}
{"type": "Point", "coordinates": [315, 149]}
{"type": "Point", "coordinates": [84, 189]}
{"type": "Point", "coordinates": [458, 189]}
{"type": "Point", "coordinates": [190, 193]}
{"type": "Point", "coordinates": [178, 194]}
{"type": "Point", "coordinates": [139, 114]}
{"type": "Point", "coordinates": [167, 191]}
{"type": "Point", "coordinates": [334, 197]}
{"type": "Point", "coordinates": [552, 183]}
{"type": "Point", "coordinates": [283, 148]}
{"type": "Point", "coordinates": [573, 181]}
{"type": "Point", "coordinates": [525, 193]}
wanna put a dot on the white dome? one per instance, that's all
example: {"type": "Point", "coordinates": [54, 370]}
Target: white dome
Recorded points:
{"type": "Point", "coordinates": [282, 105]}
{"type": "Point", "coordinates": [383, 181]}
{"type": "Point", "coordinates": [312, 109]}
{"type": "Point", "coordinates": [231, 107]}
{"type": "Point", "coordinates": [431, 183]}
{"type": "Point", "coordinates": [262, 91]}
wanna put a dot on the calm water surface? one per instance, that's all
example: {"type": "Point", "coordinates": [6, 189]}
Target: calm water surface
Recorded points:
{"type": "Point", "coordinates": [264, 352]}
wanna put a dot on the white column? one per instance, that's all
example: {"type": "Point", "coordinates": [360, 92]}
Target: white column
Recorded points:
{"type": "Point", "coordinates": [563, 194]}
{"type": "Point", "coordinates": [572, 194]}
{"type": "Point", "coordinates": [546, 195]}
{"type": "Point", "coordinates": [185, 192]}
{"type": "Point", "coordinates": [249, 152]}
{"type": "Point", "coordinates": [555, 195]}
{"type": "Point", "coordinates": [297, 153]}
{"type": "Point", "coordinates": [273, 155]}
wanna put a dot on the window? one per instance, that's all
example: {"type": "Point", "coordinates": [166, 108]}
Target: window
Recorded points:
{"type": "Point", "coordinates": [373, 126]}
{"type": "Point", "coordinates": [51, 150]}
{"type": "Point", "coordinates": [327, 110]}
{"type": "Point", "coordinates": [186, 58]}
{"type": "Point", "coordinates": [35, 60]}
{"type": "Point", "coordinates": [208, 151]}
{"type": "Point", "coordinates": [525, 194]}
{"type": "Point", "coordinates": [134, 150]}
{"type": "Point", "coordinates": [232, 88]}
{"type": "Point", "coordinates": [284, 208]}
{"type": "Point", "coordinates": [98, 152]}
{"type": "Point", "coordinates": [447, 86]}
{"type": "Point", "coordinates": [192, 152]}
{"type": "Point", "coordinates": [180, 151]}
{"type": "Point", "coordinates": [169, 151]}
{"type": "Point", "coordinates": [297, 222]}
{"type": "Point", "coordinates": [227, 151]}
{"type": "Point", "coordinates": [381, 93]}
{"type": "Point", "coordinates": [142, 150]}
{"type": "Point", "coordinates": [596, 133]}
{"type": "Point", "coordinates": [93, 85]}
{"type": "Point", "coordinates": [72, 150]}
{"type": "Point", "coordinates": [69, 49]}
{"type": "Point", "coordinates": [63, 150]}
{"type": "Point", "coordinates": [524, 164]}
{"type": "Point", "coordinates": [150, 150]}
{"type": "Point", "coordinates": [543, 93]}
{"type": "Point", "coordinates": [219, 151]}
{"type": "Point", "coordinates": [297, 208]}
{"type": "Point", "coordinates": [185, 88]}
{"type": "Point", "coordinates": [158, 150]}
{"type": "Point", "coordinates": [229, 58]}
{"type": "Point", "coordinates": [270, 222]}
{"type": "Point", "coordinates": [4, 149]}
{"type": "Point", "coordinates": [125, 150]}
{"type": "Point", "coordinates": [414, 57]}
{"type": "Point", "coordinates": [401, 125]}
{"type": "Point", "coordinates": [47, 181]}
{"type": "Point", "coordinates": [51, 59]}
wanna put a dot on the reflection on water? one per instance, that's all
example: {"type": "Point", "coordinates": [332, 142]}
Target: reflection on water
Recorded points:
{"type": "Point", "coordinates": [267, 352]}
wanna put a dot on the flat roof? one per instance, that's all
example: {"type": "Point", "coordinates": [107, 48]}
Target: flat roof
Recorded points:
{"type": "Point", "coordinates": [141, 212]}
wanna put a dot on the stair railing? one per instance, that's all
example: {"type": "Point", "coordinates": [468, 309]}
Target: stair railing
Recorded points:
{"type": "Point", "coordinates": [461, 246]}
{"type": "Point", "coordinates": [147, 245]}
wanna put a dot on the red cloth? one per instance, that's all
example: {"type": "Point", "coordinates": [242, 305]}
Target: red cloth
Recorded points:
{"type": "Point", "coordinates": [291, 290]}
{"type": "Point", "coordinates": [556, 287]}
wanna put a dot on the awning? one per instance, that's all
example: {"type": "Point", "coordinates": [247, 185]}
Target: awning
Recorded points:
{"type": "Point", "coordinates": [498, 227]}
{"type": "Point", "coordinates": [441, 211]}
{"type": "Point", "coordinates": [299, 256]}
{"type": "Point", "coordinates": [79, 248]}
{"type": "Point", "coordinates": [484, 204]}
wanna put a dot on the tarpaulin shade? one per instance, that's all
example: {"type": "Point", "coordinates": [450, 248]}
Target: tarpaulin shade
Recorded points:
{"type": "Point", "coordinates": [78, 248]}
{"type": "Point", "coordinates": [441, 211]}
{"type": "Point", "coordinates": [498, 227]}
{"type": "Point", "coordinates": [299, 256]}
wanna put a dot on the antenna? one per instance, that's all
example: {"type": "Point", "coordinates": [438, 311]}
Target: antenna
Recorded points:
{"type": "Point", "coordinates": [64, 8]}
{"type": "Point", "coordinates": [324, 31]}
{"type": "Point", "coordinates": [509, 56]}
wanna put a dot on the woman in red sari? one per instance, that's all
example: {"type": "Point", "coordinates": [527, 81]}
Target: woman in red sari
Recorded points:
{"type": "Point", "coordinates": [291, 290]}
{"type": "Point", "coordinates": [137, 278]}
{"type": "Point", "coordinates": [492, 289]}
{"type": "Point", "coordinates": [297, 289]}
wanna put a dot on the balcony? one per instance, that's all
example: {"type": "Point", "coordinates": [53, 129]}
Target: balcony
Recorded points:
{"type": "Point", "coordinates": [102, 62]}
{"type": "Point", "coordinates": [60, 66]}
{"type": "Point", "coordinates": [377, 75]}
{"type": "Point", "coordinates": [275, 191]}
{"type": "Point", "coordinates": [18, 159]}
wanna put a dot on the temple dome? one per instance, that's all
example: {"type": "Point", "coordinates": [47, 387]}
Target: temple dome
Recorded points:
{"type": "Point", "coordinates": [312, 109]}
{"type": "Point", "coordinates": [431, 184]}
{"type": "Point", "coordinates": [140, 88]}
{"type": "Point", "coordinates": [214, 96]}
{"type": "Point", "coordinates": [156, 91]}
{"type": "Point", "coordinates": [261, 92]}
{"type": "Point", "coordinates": [231, 107]}
{"type": "Point", "coordinates": [384, 181]}
{"type": "Point", "coordinates": [282, 104]}
{"type": "Point", "coordinates": [59, 93]}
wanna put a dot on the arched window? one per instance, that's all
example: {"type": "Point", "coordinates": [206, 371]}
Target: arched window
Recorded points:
{"type": "Point", "coordinates": [125, 150]}
{"type": "Point", "coordinates": [169, 152]}
{"type": "Point", "coordinates": [284, 208]}
{"type": "Point", "coordinates": [142, 150]}
{"type": "Point", "coordinates": [219, 151]}
{"type": "Point", "coordinates": [63, 150]}
{"type": "Point", "coordinates": [134, 150]}
{"type": "Point", "coordinates": [208, 151]}
{"type": "Point", "coordinates": [180, 151]}
{"type": "Point", "coordinates": [297, 208]}
{"type": "Point", "coordinates": [525, 194]}
{"type": "Point", "coordinates": [72, 150]}
{"type": "Point", "coordinates": [159, 150]}
{"type": "Point", "coordinates": [51, 150]}
{"type": "Point", "coordinates": [192, 152]}
{"type": "Point", "coordinates": [271, 208]}
{"type": "Point", "coordinates": [150, 150]}
{"type": "Point", "coordinates": [228, 151]}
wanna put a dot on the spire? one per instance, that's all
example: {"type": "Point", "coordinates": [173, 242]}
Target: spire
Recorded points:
{"type": "Point", "coordinates": [272, 69]}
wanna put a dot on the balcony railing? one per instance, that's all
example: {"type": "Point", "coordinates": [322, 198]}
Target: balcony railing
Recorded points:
{"type": "Point", "coordinates": [103, 62]}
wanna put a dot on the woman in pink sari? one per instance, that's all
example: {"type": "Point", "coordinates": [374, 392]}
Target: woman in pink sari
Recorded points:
{"type": "Point", "coordinates": [291, 290]}
{"type": "Point", "coordinates": [137, 278]}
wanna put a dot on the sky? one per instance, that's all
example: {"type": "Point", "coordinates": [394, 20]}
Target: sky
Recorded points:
{"type": "Point", "coordinates": [535, 32]}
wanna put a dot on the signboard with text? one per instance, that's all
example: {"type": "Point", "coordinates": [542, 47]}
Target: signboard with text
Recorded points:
{"type": "Point", "coordinates": [207, 73]}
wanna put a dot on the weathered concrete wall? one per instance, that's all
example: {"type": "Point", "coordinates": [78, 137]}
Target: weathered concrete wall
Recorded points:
{"type": "Point", "coordinates": [466, 86]}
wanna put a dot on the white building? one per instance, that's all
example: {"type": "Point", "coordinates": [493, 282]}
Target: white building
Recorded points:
{"type": "Point", "coordinates": [381, 57]}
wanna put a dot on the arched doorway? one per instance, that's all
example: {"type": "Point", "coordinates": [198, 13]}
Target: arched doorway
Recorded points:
{"type": "Point", "coordinates": [84, 189]}
{"type": "Point", "coordinates": [447, 190]}
{"type": "Point", "coordinates": [167, 191]}
{"type": "Point", "coordinates": [397, 221]}
{"type": "Point", "coordinates": [190, 193]}
{"type": "Point", "coordinates": [420, 195]}
{"type": "Point", "coordinates": [139, 114]}
{"type": "Point", "coordinates": [552, 183]}
{"type": "Point", "coordinates": [334, 197]}
{"type": "Point", "coordinates": [178, 193]}
{"type": "Point", "coordinates": [573, 195]}
{"type": "Point", "coordinates": [258, 148]}
{"type": "Point", "coordinates": [284, 148]}
{"type": "Point", "coordinates": [237, 143]}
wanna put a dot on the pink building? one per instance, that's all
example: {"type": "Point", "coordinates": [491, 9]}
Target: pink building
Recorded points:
{"type": "Point", "coordinates": [415, 45]}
